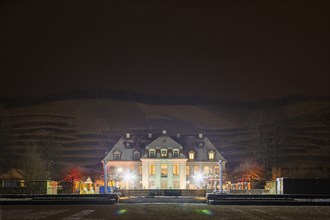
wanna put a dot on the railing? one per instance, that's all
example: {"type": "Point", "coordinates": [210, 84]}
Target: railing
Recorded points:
{"type": "Point", "coordinates": [25, 187]}
{"type": "Point", "coordinates": [162, 192]}
{"type": "Point", "coordinates": [250, 192]}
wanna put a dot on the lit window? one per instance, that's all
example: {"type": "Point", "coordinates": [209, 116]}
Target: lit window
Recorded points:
{"type": "Point", "coordinates": [211, 155]}
{"type": "Point", "coordinates": [116, 155]}
{"type": "Point", "coordinates": [152, 169]}
{"type": "Point", "coordinates": [163, 170]}
{"type": "Point", "coordinates": [187, 170]}
{"type": "Point", "coordinates": [176, 153]}
{"type": "Point", "coordinates": [152, 153]}
{"type": "Point", "coordinates": [163, 152]}
{"type": "Point", "coordinates": [136, 155]}
{"type": "Point", "coordinates": [216, 169]}
{"type": "Point", "coordinates": [196, 169]}
{"type": "Point", "coordinates": [176, 169]}
{"type": "Point", "coordinates": [206, 170]}
{"type": "Point", "coordinates": [191, 155]}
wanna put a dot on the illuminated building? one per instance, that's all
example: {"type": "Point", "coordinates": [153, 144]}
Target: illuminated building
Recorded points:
{"type": "Point", "coordinates": [164, 162]}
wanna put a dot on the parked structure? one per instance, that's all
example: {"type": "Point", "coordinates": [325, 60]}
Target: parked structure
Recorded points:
{"type": "Point", "coordinates": [179, 162]}
{"type": "Point", "coordinates": [302, 186]}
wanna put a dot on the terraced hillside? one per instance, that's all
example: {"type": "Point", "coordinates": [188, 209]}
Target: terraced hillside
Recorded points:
{"type": "Point", "coordinates": [82, 131]}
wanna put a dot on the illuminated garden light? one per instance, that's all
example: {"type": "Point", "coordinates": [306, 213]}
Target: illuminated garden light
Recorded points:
{"type": "Point", "coordinates": [127, 176]}
{"type": "Point", "coordinates": [199, 177]}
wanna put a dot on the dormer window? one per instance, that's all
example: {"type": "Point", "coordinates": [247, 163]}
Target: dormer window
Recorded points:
{"type": "Point", "coordinates": [191, 155]}
{"type": "Point", "coordinates": [116, 155]}
{"type": "Point", "coordinates": [152, 153]}
{"type": "Point", "coordinates": [136, 155]}
{"type": "Point", "coordinates": [163, 152]}
{"type": "Point", "coordinates": [175, 152]}
{"type": "Point", "coordinates": [211, 155]}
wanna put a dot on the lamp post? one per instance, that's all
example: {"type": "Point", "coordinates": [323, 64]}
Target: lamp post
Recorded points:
{"type": "Point", "coordinates": [105, 176]}
{"type": "Point", "coordinates": [220, 176]}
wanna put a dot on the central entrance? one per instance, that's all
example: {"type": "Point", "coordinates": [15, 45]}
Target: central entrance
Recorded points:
{"type": "Point", "coordinates": [164, 183]}
{"type": "Point", "coordinates": [163, 170]}
{"type": "Point", "coordinates": [164, 173]}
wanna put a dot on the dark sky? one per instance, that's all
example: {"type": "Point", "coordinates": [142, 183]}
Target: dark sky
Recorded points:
{"type": "Point", "coordinates": [228, 50]}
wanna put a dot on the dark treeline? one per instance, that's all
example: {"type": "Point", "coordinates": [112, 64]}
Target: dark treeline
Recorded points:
{"type": "Point", "coordinates": [126, 95]}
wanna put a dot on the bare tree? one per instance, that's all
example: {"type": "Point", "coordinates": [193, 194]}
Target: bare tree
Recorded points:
{"type": "Point", "coordinates": [269, 128]}
{"type": "Point", "coordinates": [49, 151]}
{"type": "Point", "coordinates": [249, 170]}
{"type": "Point", "coordinates": [34, 164]}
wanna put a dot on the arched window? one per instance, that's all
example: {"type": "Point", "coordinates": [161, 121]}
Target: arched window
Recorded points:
{"type": "Point", "coordinates": [191, 155]}
{"type": "Point", "coordinates": [116, 155]}
{"type": "Point", "coordinates": [152, 153]}
{"type": "Point", "coordinates": [211, 155]}
{"type": "Point", "coordinates": [176, 152]}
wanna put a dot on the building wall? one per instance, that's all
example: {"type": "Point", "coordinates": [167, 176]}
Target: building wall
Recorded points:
{"type": "Point", "coordinates": [163, 163]}
{"type": "Point", "coordinates": [157, 180]}
{"type": "Point", "coordinates": [125, 174]}
{"type": "Point", "coordinates": [137, 174]}
{"type": "Point", "coordinates": [205, 175]}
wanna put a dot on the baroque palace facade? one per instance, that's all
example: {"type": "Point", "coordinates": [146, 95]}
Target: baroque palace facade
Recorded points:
{"type": "Point", "coordinates": [164, 162]}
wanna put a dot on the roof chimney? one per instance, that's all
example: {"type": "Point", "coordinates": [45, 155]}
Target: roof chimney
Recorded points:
{"type": "Point", "coordinates": [178, 135]}
{"type": "Point", "coordinates": [149, 135]}
{"type": "Point", "coordinates": [164, 131]}
{"type": "Point", "coordinates": [200, 135]}
{"type": "Point", "coordinates": [128, 135]}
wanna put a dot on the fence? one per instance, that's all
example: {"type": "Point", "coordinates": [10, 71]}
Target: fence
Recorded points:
{"type": "Point", "coordinates": [250, 192]}
{"type": "Point", "coordinates": [28, 187]}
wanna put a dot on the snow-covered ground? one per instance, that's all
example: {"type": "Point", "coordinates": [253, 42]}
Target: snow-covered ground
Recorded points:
{"type": "Point", "coordinates": [164, 211]}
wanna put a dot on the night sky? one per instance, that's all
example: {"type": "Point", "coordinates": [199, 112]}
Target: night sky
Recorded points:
{"type": "Point", "coordinates": [227, 50]}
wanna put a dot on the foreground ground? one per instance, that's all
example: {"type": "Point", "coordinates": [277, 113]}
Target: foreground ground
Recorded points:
{"type": "Point", "coordinates": [163, 211]}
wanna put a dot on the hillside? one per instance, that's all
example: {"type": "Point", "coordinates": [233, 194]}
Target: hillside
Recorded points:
{"type": "Point", "coordinates": [83, 130]}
